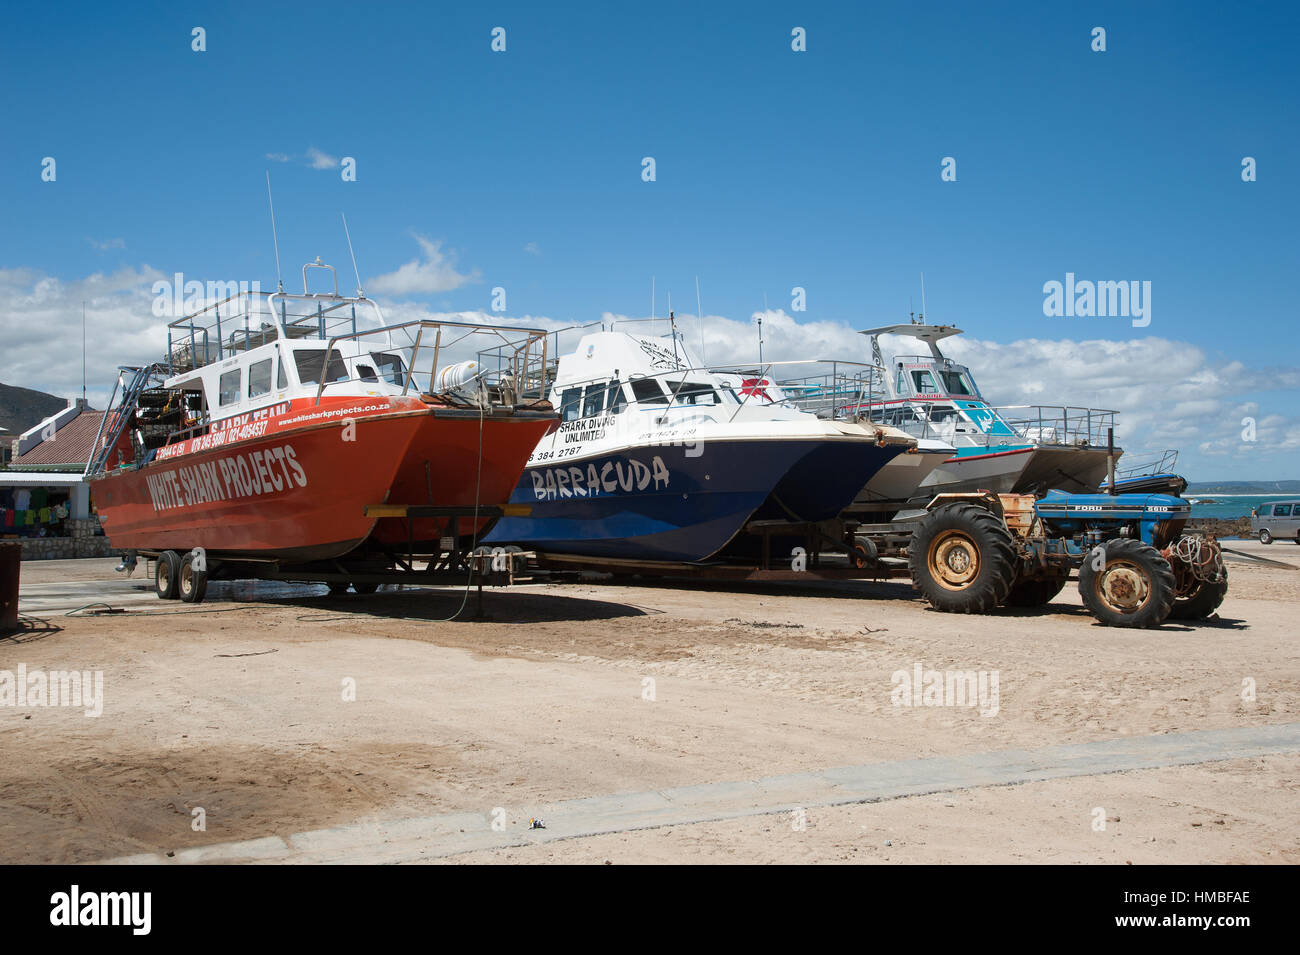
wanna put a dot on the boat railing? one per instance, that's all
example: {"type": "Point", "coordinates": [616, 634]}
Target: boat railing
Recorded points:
{"type": "Point", "coordinates": [1147, 464]}
{"type": "Point", "coordinates": [836, 391]}
{"type": "Point", "coordinates": [249, 318]}
{"type": "Point", "coordinates": [449, 358]}
{"type": "Point", "coordinates": [1060, 424]}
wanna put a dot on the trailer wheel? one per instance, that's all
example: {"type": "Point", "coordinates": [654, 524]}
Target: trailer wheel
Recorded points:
{"type": "Point", "coordinates": [1135, 587]}
{"type": "Point", "coordinates": [962, 559]}
{"type": "Point", "coordinates": [337, 587]}
{"type": "Point", "coordinates": [1035, 593]}
{"type": "Point", "coordinates": [365, 588]}
{"type": "Point", "coordinates": [1202, 601]}
{"type": "Point", "coordinates": [165, 571]}
{"type": "Point", "coordinates": [191, 584]}
{"type": "Point", "coordinates": [1265, 537]}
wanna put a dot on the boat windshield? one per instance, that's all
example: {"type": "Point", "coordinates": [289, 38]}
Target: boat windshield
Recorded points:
{"type": "Point", "coordinates": [309, 362]}
{"type": "Point", "coordinates": [958, 383]}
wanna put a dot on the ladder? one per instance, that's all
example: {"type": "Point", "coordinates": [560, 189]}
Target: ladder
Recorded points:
{"type": "Point", "coordinates": [120, 414]}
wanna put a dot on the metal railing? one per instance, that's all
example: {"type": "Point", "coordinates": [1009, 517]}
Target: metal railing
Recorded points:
{"type": "Point", "coordinates": [1059, 424]}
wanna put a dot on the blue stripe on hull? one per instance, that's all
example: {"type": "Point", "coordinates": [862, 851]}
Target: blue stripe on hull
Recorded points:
{"type": "Point", "coordinates": [646, 503]}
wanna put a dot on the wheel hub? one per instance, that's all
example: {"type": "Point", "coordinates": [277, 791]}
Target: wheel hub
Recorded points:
{"type": "Point", "coordinates": [954, 560]}
{"type": "Point", "coordinates": [1124, 587]}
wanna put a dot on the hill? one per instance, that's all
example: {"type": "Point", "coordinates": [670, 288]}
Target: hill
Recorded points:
{"type": "Point", "coordinates": [21, 408]}
{"type": "Point", "coordinates": [1244, 487]}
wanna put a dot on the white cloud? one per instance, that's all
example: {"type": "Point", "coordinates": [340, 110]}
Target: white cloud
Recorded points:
{"type": "Point", "coordinates": [532, 249]}
{"type": "Point", "coordinates": [319, 160]}
{"type": "Point", "coordinates": [432, 273]}
{"type": "Point", "coordinates": [108, 244]}
{"type": "Point", "coordinates": [279, 157]}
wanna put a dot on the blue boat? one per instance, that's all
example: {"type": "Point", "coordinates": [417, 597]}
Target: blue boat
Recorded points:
{"type": "Point", "coordinates": [656, 458]}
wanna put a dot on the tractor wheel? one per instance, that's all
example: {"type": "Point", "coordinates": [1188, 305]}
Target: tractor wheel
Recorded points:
{"type": "Point", "coordinates": [1202, 601]}
{"type": "Point", "coordinates": [962, 559]}
{"type": "Point", "coordinates": [191, 584]}
{"type": "Point", "coordinates": [165, 571]}
{"type": "Point", "coordinates": [1135, 588]}
{"type": "Point", "coordinates": [365, 588]}
{"type": "Point", "coordinates": [1265, 537]}
{"type": "Point", "coordinates": [1035, 593]}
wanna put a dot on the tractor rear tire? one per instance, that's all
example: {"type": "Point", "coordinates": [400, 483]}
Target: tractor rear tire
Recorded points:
{"type": "Point", "coordinates": [165, 571]}
{"type": "Point", "coordinates": [1135, 588]}
{"type": "Point", "coordinates": [1202, 601]}
{"type": "Point", "coordinates": [1035, 593]}
{"type": "Point", "coordinates": [962, 559]}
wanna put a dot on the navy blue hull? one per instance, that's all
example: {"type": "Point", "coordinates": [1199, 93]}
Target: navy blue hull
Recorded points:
{"type": "Point", "coordinates": [826, 480]}
{"type": "Point", "coordinates": [658, 503]}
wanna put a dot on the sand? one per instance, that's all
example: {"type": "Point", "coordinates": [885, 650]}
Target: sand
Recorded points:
{"type": "Point", "coordinates": [237, 707]}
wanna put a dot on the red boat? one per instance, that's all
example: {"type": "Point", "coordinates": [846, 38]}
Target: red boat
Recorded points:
{"type": "Point", "coordinates": [287, 436]}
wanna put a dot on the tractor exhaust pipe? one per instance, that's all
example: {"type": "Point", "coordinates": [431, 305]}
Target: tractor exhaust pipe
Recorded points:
{"type": "Point", "coordinates": [1110, 462]}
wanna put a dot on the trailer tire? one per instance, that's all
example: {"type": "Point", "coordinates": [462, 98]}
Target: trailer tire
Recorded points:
{"type": "Point", "coordinates": [1135, 588]}
{"type": "Point", "coordinates": [1035, 593]}
{"type": "Point", "coordinates": [191, 584]}
{"type": "Point", "coordinates": [337, 588]}
{"type": "Point", "coordinates": [962, 559]}
{"type": "Point", "coordinates": [364, 588]}
{"type": "Point", "coordinates": [165, 571]}
{"type": "Point", "coordinates": [1202, 601]}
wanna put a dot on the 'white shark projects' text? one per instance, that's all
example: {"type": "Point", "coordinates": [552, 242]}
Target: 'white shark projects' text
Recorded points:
{"type": "Point", "coordinates": [1085, 299]}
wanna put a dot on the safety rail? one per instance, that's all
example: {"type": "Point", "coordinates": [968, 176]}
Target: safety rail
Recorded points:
{"type": "Point", "coordinates": [1060, 424]}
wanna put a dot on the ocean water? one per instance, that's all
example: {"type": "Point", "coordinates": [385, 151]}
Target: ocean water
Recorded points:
{"type": "Point", "coordinates": [1231, 505]}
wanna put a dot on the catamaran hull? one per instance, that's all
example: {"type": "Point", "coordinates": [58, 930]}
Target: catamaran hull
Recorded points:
{"type": "Point", "coordinates": [899, 480]}
{"type": "Point", "coordinates": [300, 493]}
{"type": "Point", "coordinates": [996, 471]}
{"type": "Point", "coordinates": [825, 481]}
{"type": "Point", "coordinates": [1064, 467]}
{"type": "Point", "coordinates": [670, 503]}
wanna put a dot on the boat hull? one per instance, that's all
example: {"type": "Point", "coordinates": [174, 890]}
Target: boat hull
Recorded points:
{"type": "Point", "coordinates": [996, 471]}
{"type": "Point", "coordinates": [672, 503]}
{"type": "Point", "coordinates": [1067, 467]}
{"type": "Point", "coordinates": [826, 480]}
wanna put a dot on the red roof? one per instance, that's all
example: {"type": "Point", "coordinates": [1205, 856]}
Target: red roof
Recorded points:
{"type": "Point", "coordinates": [73, 444]}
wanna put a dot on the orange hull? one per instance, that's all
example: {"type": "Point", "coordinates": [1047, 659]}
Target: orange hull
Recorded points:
{"type": "Point", "coordinates": [293, 484]}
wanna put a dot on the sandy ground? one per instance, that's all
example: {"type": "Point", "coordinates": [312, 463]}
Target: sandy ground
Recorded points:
{"type": "Point", "coordinates": [238, 707]}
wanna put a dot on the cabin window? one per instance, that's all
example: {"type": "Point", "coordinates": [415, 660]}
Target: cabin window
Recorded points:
{"type": "Point", "coordinates": [924, 382]}
{"type": "Point", "coordinates": [956, 383]}
{"type": "Point", "coordinates": [940, 415]}
{"type": "Point", "coordinates": [366, 373]}
{"type": "Point", "coordinates": [616, 401]}
{"type": "Point", "coordinates": [310, 361]}
{"type": "Point", "coordinates": [693, 393]}
{"type": "Point", "coordinates": [259, 378]}
{"type": "Point", "coordinates": [390, 367]}
{"type": "Point", "coordinates": [570, 404]}
{"type": "Point", "coordinates": [593, 401]}
{"type": "Point", "coordinates": [228, 388]}
{"type": "Point", "coordinates": [281, 382]}
{"type": "Point", "coordinates": [1282, 510]}
{"type": "Point", "coordinates": [648, 391]}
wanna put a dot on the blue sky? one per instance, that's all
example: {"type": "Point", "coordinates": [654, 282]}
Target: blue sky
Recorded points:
{"type": "Point", "coordinates": [775, 169]}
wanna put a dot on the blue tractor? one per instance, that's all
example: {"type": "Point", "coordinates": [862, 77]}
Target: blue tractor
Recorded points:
{"type": "Point", "coordinates": [975, 552]}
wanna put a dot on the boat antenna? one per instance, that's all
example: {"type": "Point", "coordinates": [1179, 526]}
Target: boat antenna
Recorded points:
{"type": "Point", "coordinates": [279, 278]}
{"type": "Point", "coordinates": [760, 333]}
{"type": "Point", "coordinates": [672, 328]}
{"type": "Point", "coordinates": [83, 351]}
{"type": "Point", "coordinates": [699, 313]}
{"type": "Point", "coordinates": [360, 293]}
{"type": "Point", "coordinates": [922, 298]}
{"type": "Point", "coordinates": [652, 304]}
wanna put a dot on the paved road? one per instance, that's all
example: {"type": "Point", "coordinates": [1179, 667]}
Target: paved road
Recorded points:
{"type": "Point", "coordinates": [412, 840]}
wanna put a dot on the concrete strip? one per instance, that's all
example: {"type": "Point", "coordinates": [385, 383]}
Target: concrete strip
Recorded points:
{"type": "Point", "coordinates": [410, 840]}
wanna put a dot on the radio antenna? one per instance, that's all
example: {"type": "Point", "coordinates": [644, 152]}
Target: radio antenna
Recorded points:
{"type": "Point", "coordinates": [699, 313]}
{"type": "Point", "coordinates": [922, 296]}
{"type": "Point", "coordinates": [360, 293]}
{"type": "Point", "coordinates": [760, 332]}
{"type": "Point", "coordinates": [652, 304]}
{"type": "Point", "coordinates": [279, 278]}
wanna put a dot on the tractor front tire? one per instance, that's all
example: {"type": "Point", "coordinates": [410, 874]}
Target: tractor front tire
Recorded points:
{"type": "Point", "coordinates": [1135, 587]}
{"type": "Point", "coordinates": [962, 559]}
{"type": "Point", "coordinates": [1202, 601]}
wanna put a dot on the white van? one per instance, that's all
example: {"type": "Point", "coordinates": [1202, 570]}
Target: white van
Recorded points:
{"type": "Point", "coordinates": [1276, 520]}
